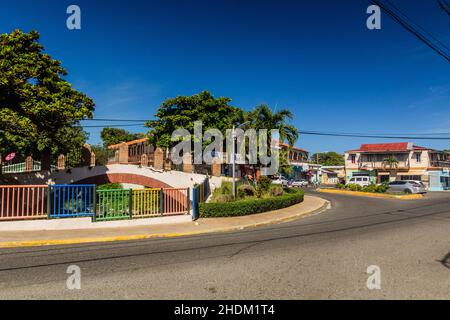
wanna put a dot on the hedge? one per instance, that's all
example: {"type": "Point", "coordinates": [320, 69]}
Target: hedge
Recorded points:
{"type": "Point", "coordinates": [250, 206]}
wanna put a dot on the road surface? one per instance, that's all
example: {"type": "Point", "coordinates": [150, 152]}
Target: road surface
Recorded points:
{"type": "Point", "coordinates": [324, 256]}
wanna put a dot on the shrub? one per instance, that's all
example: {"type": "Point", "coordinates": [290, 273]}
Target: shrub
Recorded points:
{"type": "Point", "coordinates": [354, 187]}
{"type": "Point", "coordinates": [250, 206]}
{"type": "Point", "coordinates": [222, 198]}
{"type": "Point", "coordinates": [340, 186]}
{"type": "Point", "coordinates": [264, 182]}
{"type": "Point", "coordinates": [382, 188]}
{"type": "Point", "coordinates": [276, 191]}
{"type": "Point", "coordinates": [245, 191]}
{"type": "Point", "coordinates": [110, 186]}
{"type": "Point", "coordinates": [370, 188]}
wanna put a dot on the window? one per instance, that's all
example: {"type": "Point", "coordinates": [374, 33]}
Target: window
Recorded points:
{"type": "Point", "coordinates": [353, 158]}
{"type": "Point", "coordinates": [418, 156]}
{"type": "Point", "coordinates": [359, 179]}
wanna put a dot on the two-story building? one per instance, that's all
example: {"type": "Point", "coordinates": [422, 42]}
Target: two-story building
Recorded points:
{"type": "Point", "coordinates": [385, 162]}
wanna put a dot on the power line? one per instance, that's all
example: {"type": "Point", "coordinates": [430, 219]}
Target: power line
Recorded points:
{"type": "Point", "coordinates": [423, 136]}
{"type": "Point", "coordinates": [444, 6]}
{"type": "Point", "coordinates": [417, 25]}
{"type": "Point", "coordinates": [117, 120]}
{"type": "Point", "coordinates": [411, 29]}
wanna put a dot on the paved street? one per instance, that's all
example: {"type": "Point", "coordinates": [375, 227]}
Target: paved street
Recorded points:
{"type": "Point", "coordinates": [324, 256]}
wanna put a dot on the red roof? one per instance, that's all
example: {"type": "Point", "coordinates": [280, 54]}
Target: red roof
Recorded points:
{"type": "Point", "coordinates": [388, 147]}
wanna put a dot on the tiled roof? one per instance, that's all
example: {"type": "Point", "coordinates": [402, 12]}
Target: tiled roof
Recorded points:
{"type": "Point", "coordinates": [388, 147]}
{"type": "Point", "coordinates": [115, 146]}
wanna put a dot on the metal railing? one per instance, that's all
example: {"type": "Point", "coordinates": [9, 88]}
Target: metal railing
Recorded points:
{"type": "Point", "coordinates": [113, 204]}
{"type": "Point", "coordinates": [440, 164]}
{"type": "Point", "coordinates": [23, 202]}
{"type": "Point", "coordinates": [147, 203]}
{"type": "Point", "coordinates": [72, 200]}
{"type": "Point", "coordinates": [200, 193]}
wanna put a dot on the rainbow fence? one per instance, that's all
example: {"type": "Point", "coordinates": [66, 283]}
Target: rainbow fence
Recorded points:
{"type": "Point", "coordinates": [23, 202]}
{"type": "Point", "coordinates": [71, 201]}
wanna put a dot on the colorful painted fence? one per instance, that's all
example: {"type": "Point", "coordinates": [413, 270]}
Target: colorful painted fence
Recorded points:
{"type": "Point", "coordinates": [23, 202]}
{"type": "Point", "coordinates": [201, 193]}
{"type": "Point", "coordinates": [71, 201]}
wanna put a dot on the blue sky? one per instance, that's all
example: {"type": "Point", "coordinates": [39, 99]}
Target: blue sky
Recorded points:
{"type": "Point", "coordinates": [316, 58]}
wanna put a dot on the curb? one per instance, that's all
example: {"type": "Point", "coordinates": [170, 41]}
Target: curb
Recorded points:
{"type": "Point", "coordinates": [56, 242]}
{"type": "Point", "coordinates": [373, 195]}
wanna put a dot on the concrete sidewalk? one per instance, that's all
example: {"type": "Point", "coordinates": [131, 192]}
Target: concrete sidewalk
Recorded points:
{"type": "Point", "coordinates": [11, 239]}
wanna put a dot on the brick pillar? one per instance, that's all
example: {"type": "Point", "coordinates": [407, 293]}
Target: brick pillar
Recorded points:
{"type": "Point", "coordinates": [158, 161]}
{"type": "Point", "coordinates": [92, 164]}
{"type": "Point", "coordinates": [61, 162]}
{"type": "Point", "coordinates": [29, 164]}
{"type": "Point", "coordinates": [86, 155]}
{"type": "Point", "coordinates": [144, 160]}
{"type": "Point", "coordinates": [123, 153]}
{"type": "Point", "coordinates": [168, 164]}
{"type": "Point", "coordinates": [216, 167]}
{"type": "Point", "coordinates": [187, 163]}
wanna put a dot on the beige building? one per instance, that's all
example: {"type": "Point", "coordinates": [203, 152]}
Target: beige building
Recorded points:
{"type": "Point", "coordinates": [412, 163]}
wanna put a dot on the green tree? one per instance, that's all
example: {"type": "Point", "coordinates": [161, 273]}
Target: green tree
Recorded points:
{"type": "Point", "coordinates": [112, 136]}
{"type": "Point", "coordinates": [262, 117]}
{"type": "Point", "coordinates": [328, 158]}
{"type": "Point", "coordinates": [102, 154]}
{"type": "Point", "coordinates": [38, 107]}
{"type": "Point", "coordinates": [183, 111]}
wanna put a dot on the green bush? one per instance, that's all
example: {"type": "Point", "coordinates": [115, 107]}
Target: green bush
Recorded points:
{"type": "Point", "coordinates": [382, 188]}
{"type": "Point", "coordinates": [353, 187]}
{"type": "Point", "coordinates": [276, 191]}
{"type": "Point", "coordinates": [340, 186]}
{"type": "Point", "coordinates": [110, 186]}
{"type": "Point", "coordinates": [370, 188]}
{"type": "Point", "coordinates": [264, 183]}
{"type": "Point", "coordinates": [222, 198]}
{"type": "Point", "coordinates": [250, 206]}
{"type": "Point", "coordinates": [245, 190]}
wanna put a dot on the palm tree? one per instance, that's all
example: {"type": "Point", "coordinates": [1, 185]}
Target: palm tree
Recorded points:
{"type": "Point", "coordinates": [390, 162]}
{"type": "Point", "coordinates": [262, 117]}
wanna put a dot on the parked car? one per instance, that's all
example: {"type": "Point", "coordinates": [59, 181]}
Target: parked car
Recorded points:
{"type": "Point", "coordinates": [281, 181]}
{"type": "Point", "coordinates": [362, 181]}
{"type": "Point", "coordinates": [298, 183]}
{"type": "Point", "coordinates": [407, 187]}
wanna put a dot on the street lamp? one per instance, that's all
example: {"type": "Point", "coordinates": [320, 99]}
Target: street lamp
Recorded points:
{"type": "Point", "coordinates": [233, 152]}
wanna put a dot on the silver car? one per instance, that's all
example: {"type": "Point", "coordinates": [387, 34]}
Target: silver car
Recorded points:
{"type": "Point", "coordinates": [408, 186]}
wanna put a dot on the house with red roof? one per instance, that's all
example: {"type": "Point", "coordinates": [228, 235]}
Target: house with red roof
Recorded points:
{"type": "Point", "coordinates": [385, 162]}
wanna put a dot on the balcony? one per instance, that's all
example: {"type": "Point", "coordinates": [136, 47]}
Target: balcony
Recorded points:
{"type": "Point", "coordinates": [440, 164]}
{"type": "Point", "coordinates": [380, 165]}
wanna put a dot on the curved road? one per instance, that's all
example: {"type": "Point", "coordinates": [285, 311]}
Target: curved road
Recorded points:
{"type": "Point", "coordinates": [324, 256]}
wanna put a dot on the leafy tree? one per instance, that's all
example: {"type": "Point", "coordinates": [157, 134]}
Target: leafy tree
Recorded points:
{"type": "Point", "coordinates": [101, 154]}
{"type": "Point", "coordinates": [262, 117]}
{"type": "Point", "coordinates": [183, 111]}
{"type": "Point", "coordinates": [38, 107]}
{"type": "Point", "coordinates": [112, 136]}
{"type": "Point", "coordinates": [328, 158]}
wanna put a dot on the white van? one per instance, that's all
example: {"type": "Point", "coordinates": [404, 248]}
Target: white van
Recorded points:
{"type": "Point", "coordinates": [363, 181]}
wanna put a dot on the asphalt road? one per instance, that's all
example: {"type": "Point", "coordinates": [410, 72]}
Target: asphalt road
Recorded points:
{"type": "Point", "coordinates": [324, 256]}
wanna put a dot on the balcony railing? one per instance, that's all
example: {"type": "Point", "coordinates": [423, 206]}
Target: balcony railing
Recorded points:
{"type": "Point", "coordinates": [380, 165]}
{"type": "Point", "coordinates": [440, 164]}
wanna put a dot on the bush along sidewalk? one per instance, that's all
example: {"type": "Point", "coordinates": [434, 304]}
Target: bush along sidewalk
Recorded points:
{"type": "Point", "coordinates": [249, 206]}
{"type": "Point", "coordinates": [382, 188]}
